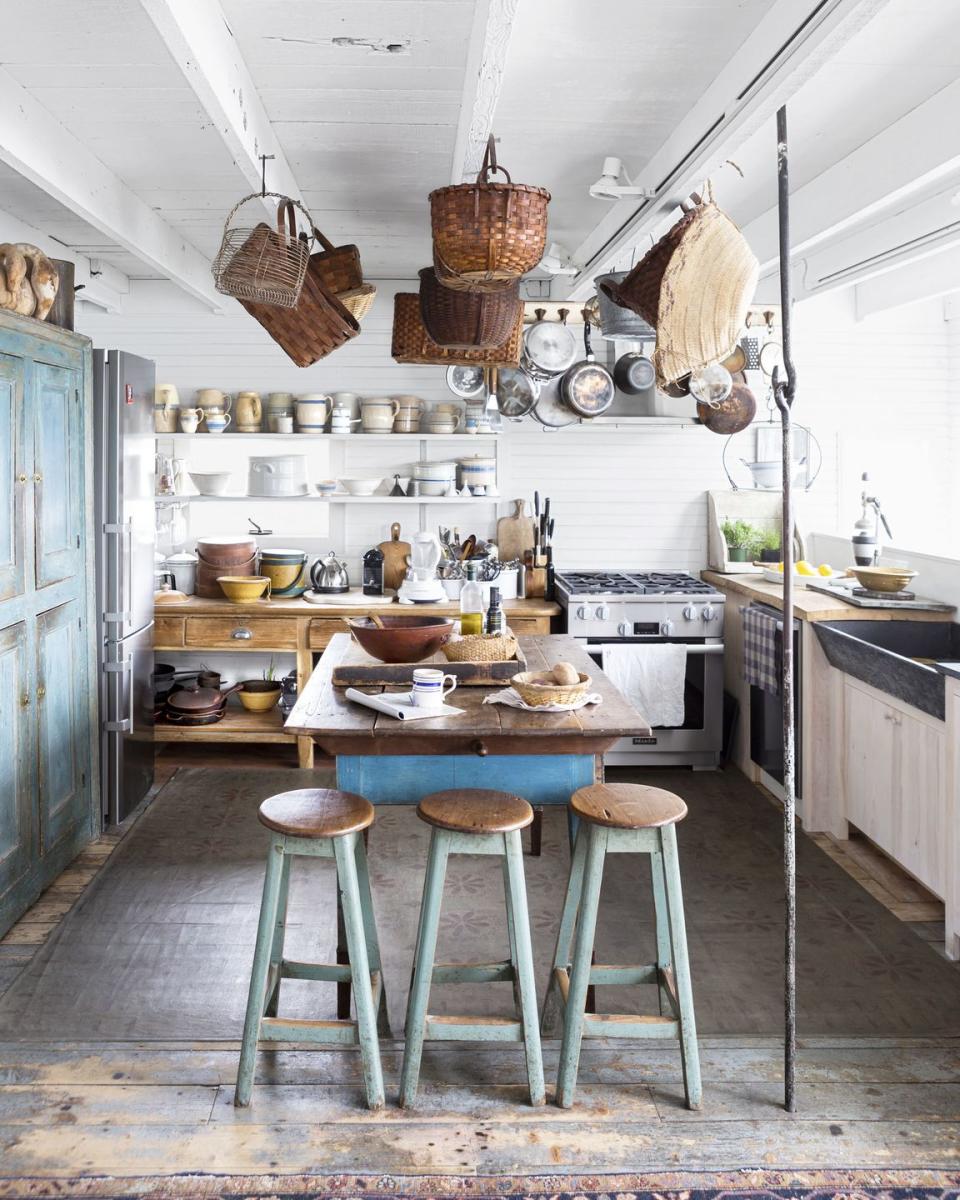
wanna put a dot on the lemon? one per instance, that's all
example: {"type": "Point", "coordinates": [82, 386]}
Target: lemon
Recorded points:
{"type": "Point", "coordinates": [804, 568]}
{"type": "Point", "coordinates": [780, 567]}
{"type": "Point", "coordinates": [825, 569]}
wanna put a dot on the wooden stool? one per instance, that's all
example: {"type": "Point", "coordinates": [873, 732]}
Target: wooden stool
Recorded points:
{"type": "Point", "coordinates": [623, 818]}
{"type": "Point", "coordinates": [473, 821]}
{"type": "Point", "coordinates": [317, 823]}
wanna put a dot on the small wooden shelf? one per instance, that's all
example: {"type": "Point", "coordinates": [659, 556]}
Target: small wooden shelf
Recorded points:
{"type": "Point", "coordinates": [237, 725]}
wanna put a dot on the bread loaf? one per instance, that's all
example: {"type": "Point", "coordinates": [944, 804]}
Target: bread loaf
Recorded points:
{"type": "Point", "coordinates": [565, 673]}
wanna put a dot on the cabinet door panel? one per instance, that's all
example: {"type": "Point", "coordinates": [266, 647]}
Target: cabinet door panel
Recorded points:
{"type": "Point", "coordinates": [920, 833]}
{"type": "Point", "coordinates": [62, 722]}
{"type": "Point", "coordinates": [58, 511]}
{"type": "Point", "coordinates": [12, 489]}
{"type": "Point", "coordinates": [870, 783]}
{"type": "Point", "coordinates": [17, 756]}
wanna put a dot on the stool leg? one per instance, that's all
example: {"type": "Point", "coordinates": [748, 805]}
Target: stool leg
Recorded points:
{"type": "Point", "coordinates": [561, 955]}
{"type": "Point", "coordinates": [423, 965]}
{"type": "Point", "coordinates": [596, 837]}
{"type": "Point", "coordinates": [280, 929]}
{"type": "Point", "coordinates": [690, 1053]}
{"type": "Point", "coordinates": [343, 957]}
{"type": "Point", "coordinates": [258, 974]}
{"type": "Point", "coordinates": [345, 854]}
{"type": "Point", "coordinates": [664, 953]}
{"type": "Point", "coordinates": [511, 934]}
{"type": "Point", "coordinates": [519, 919]}
{"type": "Point", "coordinates": [370, 932]}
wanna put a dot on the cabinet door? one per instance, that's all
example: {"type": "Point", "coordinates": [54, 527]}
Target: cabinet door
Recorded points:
{"type": "Point", "coordinates": [869, 776]}
{"type": "Point", "coordinates": [13, 485]}
{"type": "Point", "coordinates": [58, 485]}
{"type": "Point", "coordinates": [17, 757]}
{"type": "Point", "coordinates": [919, 824]}
{"type": "Point", "coordinates": [63, 723]}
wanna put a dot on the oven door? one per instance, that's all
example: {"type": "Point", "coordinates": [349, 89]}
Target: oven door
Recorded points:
{"type": "Point", "coordinates": [699, 740]}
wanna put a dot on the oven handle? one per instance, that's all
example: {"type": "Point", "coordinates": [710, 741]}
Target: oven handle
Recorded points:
{"type": "Point", "coordinates": [696, 648]}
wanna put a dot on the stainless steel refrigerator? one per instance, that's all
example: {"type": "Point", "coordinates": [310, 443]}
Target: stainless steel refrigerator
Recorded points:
{"type": "Point", "coordinates": [124, 467]}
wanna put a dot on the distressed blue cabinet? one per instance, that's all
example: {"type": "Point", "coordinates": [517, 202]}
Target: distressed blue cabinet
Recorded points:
{"type": "Point", "coordinates": [47, 649]}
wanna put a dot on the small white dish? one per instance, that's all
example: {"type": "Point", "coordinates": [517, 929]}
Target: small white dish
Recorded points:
{"type": "Point", "coordinates": [211, 483]}
{"type": "Point", "coordinates": [361, 487]}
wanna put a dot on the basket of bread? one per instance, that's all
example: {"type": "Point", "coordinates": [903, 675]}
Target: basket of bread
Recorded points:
{"type": "Point", "coordinates": [564, 684]}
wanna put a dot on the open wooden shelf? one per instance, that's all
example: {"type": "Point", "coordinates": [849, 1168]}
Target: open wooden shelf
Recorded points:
{"type": "Point", "coordinates": [237, 725]}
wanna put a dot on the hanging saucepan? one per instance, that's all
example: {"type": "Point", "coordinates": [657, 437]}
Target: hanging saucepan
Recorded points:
{"type": "Point", "coordinates": [732, 414]}
{"type": "Point", "coordinates": [517, 392]}
{"type": "Point", "coordinates": [550, 409]}
{"type": "Point", "coordinates": [634, 372]}
{"type": "Point", "coordinates": [549, 347]}
{"type": "Point", "coordinates": [587, 386]}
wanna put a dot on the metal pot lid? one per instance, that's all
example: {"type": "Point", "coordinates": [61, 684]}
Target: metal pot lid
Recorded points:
{"type": "Point", "coordinates": [589, 389]}
{"type": "Point", "coordinates": [550, 346]}
{"type": "Point", "coordinates": [466, 382]}
{"type": "Point", "coordinates": [550, 409]}
{"type": "Point", "coordinates": [517, 392]}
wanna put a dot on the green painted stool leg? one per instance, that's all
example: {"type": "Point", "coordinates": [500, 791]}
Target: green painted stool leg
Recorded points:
{"type": "Point", "coordinates": [596, 837]}
{"type": "Point", "coordinates": [423, 965]}
{"type": "Point", "coordinates": [258, 975]}
{"type": "Point", "coordinates": [511, 934]}
{"type": "Point", "coordinates": [280, 929]}
{"type": "Point", "coordinates": [343, 849]}
{"type": "Point", "coordinates": [520, 921]}
{"type": "Point", "coordinates": [689, 1050]}
{"type": "Point", "coordinates": [550, 1021]}
{"type": "Point", "coordinates": [370, 932]}
{"type": "Point", "coordinates": [664, 953]}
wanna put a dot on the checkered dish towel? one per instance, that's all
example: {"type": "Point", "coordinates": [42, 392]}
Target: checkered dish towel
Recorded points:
{"type": "Point", "coordinates": [761, 656]}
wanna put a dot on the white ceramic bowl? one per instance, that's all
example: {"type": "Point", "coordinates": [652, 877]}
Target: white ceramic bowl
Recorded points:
{"type": "Point", "coordinates": [211, 483]}
{"type": "Point", "coordinates": [361, 487]}
{"type": "Point", "coordinates": [435, 470]}
{"type": "Point", "coordinates": [434, 487]}
{"type": "Point", "coordinates": [326, 487]}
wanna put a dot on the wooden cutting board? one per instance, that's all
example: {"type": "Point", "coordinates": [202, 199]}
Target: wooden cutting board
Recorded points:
{"type": "Point", "coordinates": [515, 534]}
{"type": "Point", "coordinates": [356, 667]}
{"type": "Point", "coordinates": [394, 558]}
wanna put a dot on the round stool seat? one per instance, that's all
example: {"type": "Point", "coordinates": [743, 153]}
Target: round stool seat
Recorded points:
{"type": "Point", "coordinates": [316, 813]}
{"type": "Point", "coordinates": [475, 810]}
{"type": "Point", "coordinates": [627, 806]}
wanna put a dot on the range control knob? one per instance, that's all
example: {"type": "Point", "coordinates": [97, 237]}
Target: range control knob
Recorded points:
{"type": "Point", "coordinates": [623, 629]}
{"type": "Point", "coordinates": [666, 629]}
{"type": "Point", "coordinates": [709, 613]}
{"type": "Point", "coordinates": [603, 612]}
{"type": "Point", "coordinates": [689, 612]}
{"type": "Point", "coordinates": [583, 613]}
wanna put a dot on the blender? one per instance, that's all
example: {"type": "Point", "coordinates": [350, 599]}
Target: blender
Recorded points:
{"type": "Point", "coordinates": [421, 585]}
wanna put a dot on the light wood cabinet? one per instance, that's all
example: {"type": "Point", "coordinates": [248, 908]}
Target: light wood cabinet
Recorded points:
{"type": "Point", "coordinates": [894, 781]}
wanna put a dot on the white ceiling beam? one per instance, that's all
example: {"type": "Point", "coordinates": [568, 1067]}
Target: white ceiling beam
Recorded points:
{"type": "Point", "coordinates": [37, 146]}
{"type": "Point", "coordinates": [493, 22]}
{"type": "Point", "coordinates": [923, 279]}
{"type": "Point", "coordinates": [787, 46]}
{"type": "Point", "coordinates": [203, 46]}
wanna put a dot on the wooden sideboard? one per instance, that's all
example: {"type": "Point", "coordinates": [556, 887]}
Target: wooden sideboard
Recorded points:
{"type": "Point", "coordinates": [283, 626]}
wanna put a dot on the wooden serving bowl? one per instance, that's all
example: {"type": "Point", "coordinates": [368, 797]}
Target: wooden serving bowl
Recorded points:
{"type": "Point", "coordinates": [884, 579]}
{"type": "Point", "coordinates": [401, 639]}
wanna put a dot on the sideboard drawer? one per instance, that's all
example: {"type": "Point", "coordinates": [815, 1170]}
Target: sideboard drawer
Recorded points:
{"type": "Point", "coordinates": [322, 630]}
{"type": "Point", "coordinates": [528, 625]}
{"type": "Point", "coordinates": [242, 633]}
{"type": "Point", "coordinates": [168, 632]}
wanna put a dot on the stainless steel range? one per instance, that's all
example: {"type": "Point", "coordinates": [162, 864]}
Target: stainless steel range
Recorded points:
{"type": "Point", "coordinates": [605, 608]}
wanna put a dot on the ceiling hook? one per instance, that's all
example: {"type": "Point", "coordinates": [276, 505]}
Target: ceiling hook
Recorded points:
{"type": "Point", "coordinates": [264, 159]}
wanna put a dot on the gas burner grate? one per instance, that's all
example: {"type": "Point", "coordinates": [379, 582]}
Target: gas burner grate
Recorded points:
{"type": "Point", "coordinates": [632, 583]}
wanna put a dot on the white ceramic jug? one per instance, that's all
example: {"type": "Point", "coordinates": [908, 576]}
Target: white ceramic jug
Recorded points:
{"type": "Point", "coordinates": [378, 414]}
{"type": "Point", "coordinates": [166, 408]}
{"type": "Point", "coordinates": [313, 409]}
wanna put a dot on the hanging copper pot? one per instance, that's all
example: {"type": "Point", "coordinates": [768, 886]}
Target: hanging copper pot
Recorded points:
{"type": "Point", "coordinates": [731, 414]}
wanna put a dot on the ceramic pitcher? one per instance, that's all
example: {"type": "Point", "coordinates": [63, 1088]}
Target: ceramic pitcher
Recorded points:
{"type": "Point", "coordinates": [378, 414]}
{"type": "Point", "coordinates": [313, 409]}
{"type": "Point", "coordinates": [248, 412]}
{"type": "Point", "coordinates": [166, 408]}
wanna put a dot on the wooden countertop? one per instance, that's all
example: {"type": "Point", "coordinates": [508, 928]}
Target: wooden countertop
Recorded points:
{"type": "Point", "coordinates": [815, 606]}
{"type": "Point", "coordinates": [340, 726]}
{"type": "Point", "coordinates": [278, 606]}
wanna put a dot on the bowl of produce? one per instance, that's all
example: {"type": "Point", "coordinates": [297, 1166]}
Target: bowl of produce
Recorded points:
{"type": "Point", "coordinates": [401, 639]}
{"type": "Point", "coordinates": [259, 695]}
{"type": "Point", "coordinates": [884, 579]}
{"type": "Point", "coordinates": [564, 684]}
{"type": "Point", "coordinates": [361, 487]}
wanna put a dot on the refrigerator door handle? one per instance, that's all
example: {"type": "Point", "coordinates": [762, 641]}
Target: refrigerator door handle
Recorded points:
{"type": "Point", "coordinates": [123, 561]}
{"type": "Point", "coordinates": [125, 724]}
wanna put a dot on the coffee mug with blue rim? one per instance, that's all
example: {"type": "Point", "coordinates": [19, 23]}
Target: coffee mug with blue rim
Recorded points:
{"type": "Point", "coordinates": [428, 687]}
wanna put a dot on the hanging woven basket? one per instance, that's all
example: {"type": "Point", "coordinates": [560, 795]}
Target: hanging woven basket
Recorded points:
{"type": "Point", "coordinates": [467, 319]}
{"type": "Point", "coordinates": [358, 301]}
{"type": "Point", "coordinates": [412, 344]}
{"type": "Point", "coordinates": [640, 289]}
{"type": "Point", "coordinates": [260, 264]}
{"type": "Point", "coordinates": [487, 233]}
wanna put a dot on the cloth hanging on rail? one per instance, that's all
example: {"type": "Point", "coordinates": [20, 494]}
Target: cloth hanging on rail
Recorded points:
{"type": "Point", "coordinates": [761, 650]}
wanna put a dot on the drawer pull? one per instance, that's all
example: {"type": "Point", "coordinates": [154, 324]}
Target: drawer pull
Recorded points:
{"type": "Point", "coordinates": [242, 635]}
{"type": "Point", "coordinates": [479, 748]}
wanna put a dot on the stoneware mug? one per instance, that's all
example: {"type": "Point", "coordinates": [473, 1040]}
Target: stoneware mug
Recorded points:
{"type": "Point", "coordinates": [190, 418]}
{"type": "Point", "coordinates": [428, 689]}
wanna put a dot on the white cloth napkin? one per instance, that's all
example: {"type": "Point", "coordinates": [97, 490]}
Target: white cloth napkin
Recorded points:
{"type": "Point", "coordinates": [651, 676]}
{"type": "Point", "coordinates": [512, 697]}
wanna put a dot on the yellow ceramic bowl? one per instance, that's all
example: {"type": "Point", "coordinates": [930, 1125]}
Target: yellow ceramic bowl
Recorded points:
{"type": "Point", "coordinates": [884, 579]}
{"type": "Point", "coordinates": [259, 695]}
{"type": "Point", "coordinates": [241, 589]}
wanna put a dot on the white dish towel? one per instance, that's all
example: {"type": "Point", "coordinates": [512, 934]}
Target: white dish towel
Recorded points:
{"type": "Point", "coordinates": [651, 676]}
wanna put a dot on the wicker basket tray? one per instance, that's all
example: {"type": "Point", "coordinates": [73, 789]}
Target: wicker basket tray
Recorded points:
{"type": "Point", "coordinates": [412, 343]}
{"type": "Point", "coordinates": [484, 647]}
{"type": "Point", "coordinates": [537, 694]}
{"type": "Point", "coordinates": [467, 320]}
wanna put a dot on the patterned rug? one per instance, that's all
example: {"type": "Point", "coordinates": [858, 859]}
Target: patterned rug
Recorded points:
{"type": "Point", "coordinates": [744, 1185]}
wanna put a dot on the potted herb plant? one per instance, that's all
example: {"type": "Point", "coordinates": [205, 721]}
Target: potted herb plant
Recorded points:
{"type": "Point", "coordinates": [260, 695]}
{"type": "Point", "coordinates": [741, 539]}
{"type": "Point", "coordinates": [768, 543]}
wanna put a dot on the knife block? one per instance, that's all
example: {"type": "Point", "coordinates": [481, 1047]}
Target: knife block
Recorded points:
{"type": "Point", "coordinates": [535, 573]}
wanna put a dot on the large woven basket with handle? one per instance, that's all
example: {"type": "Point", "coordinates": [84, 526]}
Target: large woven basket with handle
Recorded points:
{"type": "Point", "coordinates": [467, 319]}
{"type": "Point", "coordinates": [640, 290]}
{"type": "Point", "coordinates": [487, 232]}
{"type": "Point", "coordinates": [260, 264]}
{"type": "Point", "coordinates": [412, 343]}
{"type": "Point", "coordinates": [337, 267]}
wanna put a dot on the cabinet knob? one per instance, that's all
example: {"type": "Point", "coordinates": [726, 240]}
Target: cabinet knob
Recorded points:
{"type": "Point", "coordinates": [242, 635]}
{"type": "Point", "coordinates": [38, 478]}
{"type": "Point", "coordinates": [41, 692]}
{"type": "Point", "coordinates": [25, 700]}
{"type": "Point", "coordinates": [22, 477]}
{"type": "Point", "coordinates": [478, 747]}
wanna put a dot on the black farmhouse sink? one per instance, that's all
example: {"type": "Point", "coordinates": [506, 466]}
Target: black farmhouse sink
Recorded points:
{"type": "Point", "coordinates": [896, 657]}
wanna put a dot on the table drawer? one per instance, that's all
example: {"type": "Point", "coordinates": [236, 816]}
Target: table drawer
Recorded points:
{"type": "Point", "coordinates": [529, 625]}
{"type": "Point", "coordinates": [242, 633]}
{"type": "Point", "coordinates": [168, 632]}
{"type": "Point", "coordinates": [322, 629]}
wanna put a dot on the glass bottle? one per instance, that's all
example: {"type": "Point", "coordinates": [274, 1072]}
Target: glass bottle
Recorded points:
{"type": "Point", "coordinates": [471, 604]}
{"type": "Point", "coordinates": [496, 621]}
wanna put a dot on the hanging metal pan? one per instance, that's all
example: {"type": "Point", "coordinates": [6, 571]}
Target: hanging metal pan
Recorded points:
{"type": "Point", "coordinates": [587, 387]}
{"type": "Point", "coordinates": [549, 347]}
{"type": "Point", "coordinates": [467, 382]}
{"type": "Point", "coordinates": [731, 414]}
{"type": "Point", "coordinates": [517, 392]}
{"type": "Point", "coordinates": [634, 373]}
{"type": "Point", "coordinates": [550, 410]}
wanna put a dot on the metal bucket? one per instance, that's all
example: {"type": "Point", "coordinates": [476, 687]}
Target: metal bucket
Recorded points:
{"type": "Point", "coordinates": [620, 324]}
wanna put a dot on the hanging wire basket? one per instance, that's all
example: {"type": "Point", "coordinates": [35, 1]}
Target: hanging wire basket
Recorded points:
{"type": "Point", "coordinates": [260, 264]}
{"type": "Point", "coordinates": [765, 471]}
